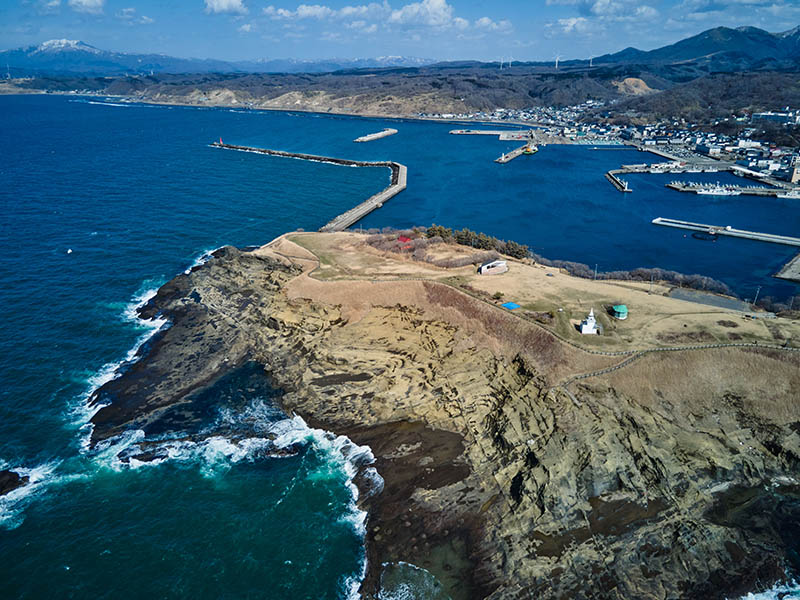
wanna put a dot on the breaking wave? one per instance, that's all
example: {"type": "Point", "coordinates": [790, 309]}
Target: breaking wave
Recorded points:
{"type": "Point", "coordinates": [40, 478]}
{"type": "Point", "coordinates": [780, 591]}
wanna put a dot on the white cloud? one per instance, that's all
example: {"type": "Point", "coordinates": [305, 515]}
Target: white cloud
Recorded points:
{"type": "Point", "coordinates": [47, 7]}
{"type": "Point", "coordinates": [488, 24]}
{"type": "Point", "coordinates": [314, 11]}
{"type": "Point", "coordinates": [129, 16]}
{"type": "Point", "coordinates": [367, 18]}
{"type": "Point", "coordinates": [433, 13]}
{"type": "Point", "coordinates": [226, 6]}
{"type": "Point", "coordinates": [574, 24]}
{"type": "Point", "coordinates": [93, 7]}
{"type": "Point", "coordinates": [317, 11]}
{"type": "Point", "coordinates": [373, 10]}
{"type": "Point", "coordinates": [246, 28]}
{"type": "Point", "coordinates": [362, 26]}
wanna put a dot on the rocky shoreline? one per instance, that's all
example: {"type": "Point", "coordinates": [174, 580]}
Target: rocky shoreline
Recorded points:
{"type": "Point", "coordinates": [497, 481]}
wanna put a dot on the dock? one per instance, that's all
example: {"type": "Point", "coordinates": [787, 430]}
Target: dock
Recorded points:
{"type": "Point", "coordinates": [732, 190]}
{"type": "Point", "coordinates": [729, 231]}
{"type": "Point", "coordinates": [494, 132]}
{"type": "Point", "coordinates": [509, 156]}
{"type": "Point", "coordinates": [791, 270]}
{"type": "Point", "coordinates": [352, 216]}
{"type": "Point", "coordinates": [376, 136]}
{"type": "Point", "coordinates": [618, 183]}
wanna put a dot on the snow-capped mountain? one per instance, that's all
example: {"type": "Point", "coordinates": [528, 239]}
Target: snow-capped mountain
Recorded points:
{"type": "Point", "coordinates": [60, 57]}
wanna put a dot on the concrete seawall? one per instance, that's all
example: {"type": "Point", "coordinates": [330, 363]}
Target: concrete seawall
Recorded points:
{"type": "Point", "coordinates": [352, 216]}
{"type": "Point", "coordinates": [376, 136]}
{"type": "Point", "coordinates": [618, 183]}
{"type": "Point", "coordinates": [729, 231]}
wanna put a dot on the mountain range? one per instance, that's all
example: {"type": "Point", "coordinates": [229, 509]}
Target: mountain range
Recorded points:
{"type": "Point", "coordinates": [720, 49]}
{"type": "Point", "coordinates": [70, 57]}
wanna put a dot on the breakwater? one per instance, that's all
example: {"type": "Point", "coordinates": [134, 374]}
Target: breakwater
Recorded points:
{"type": "Point", "coordinates": [618, 183]}
{"type": "Point", "coordinates": [376, 136]}
{"type": "Point", "coordinates": [729, 231]}
{"type": "Point", "coordinates": [352, 216]}
{"type": "Point", "coordinates": [509, 156]}
{"type": "Point", "coordinates": [731, 190]}
{"type": "Point", "coordinates": [791, 270]}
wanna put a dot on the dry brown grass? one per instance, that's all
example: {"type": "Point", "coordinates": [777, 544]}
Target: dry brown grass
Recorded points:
{"type": "Point", "coordinates": [766, 382]}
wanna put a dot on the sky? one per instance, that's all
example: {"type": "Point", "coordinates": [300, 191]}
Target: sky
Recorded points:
{"type": "Point", "coordinates": [435, 29]}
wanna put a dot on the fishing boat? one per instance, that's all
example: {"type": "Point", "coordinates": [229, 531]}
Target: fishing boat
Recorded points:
{"type": "Point", "coordinates": [717, 190]}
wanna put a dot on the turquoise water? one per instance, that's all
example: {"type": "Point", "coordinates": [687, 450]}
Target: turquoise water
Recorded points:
{"type": "Point", "coordinates": [137, 195]}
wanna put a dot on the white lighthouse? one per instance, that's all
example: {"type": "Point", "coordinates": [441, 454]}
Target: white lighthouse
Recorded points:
{"type": "Point", "coordinates": [589, 324]}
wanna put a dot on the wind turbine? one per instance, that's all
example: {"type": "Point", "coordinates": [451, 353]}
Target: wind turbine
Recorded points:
{"type": "Point", "coordinates": [558, 57]}
{"type": "Point", "coordinates": [501, 62]}
{"type": "Point", "coordinates": [591, 58]}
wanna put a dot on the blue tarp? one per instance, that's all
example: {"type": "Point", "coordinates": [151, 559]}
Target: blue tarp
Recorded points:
{"type": "Point", "coordinates": [510, 305]}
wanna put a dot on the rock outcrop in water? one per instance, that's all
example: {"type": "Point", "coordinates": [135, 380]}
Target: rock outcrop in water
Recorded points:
{"type": "Point", "coordinates": [671, 478]}
{"type": "Point", "coordinates": [9, 481]}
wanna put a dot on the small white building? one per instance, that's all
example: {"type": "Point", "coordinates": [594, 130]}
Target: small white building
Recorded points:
{"type": "Point", "coordinates": [589, 324]}
{"type": "Point", "coordinates": [494, 267]}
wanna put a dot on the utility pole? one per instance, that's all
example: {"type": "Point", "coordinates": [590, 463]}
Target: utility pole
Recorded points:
{"type": "Point", "coordinates": [595, 271]}
{"type": "Point", "coordinates": [651, 285]}
{"type": "Point", "coordinates": [756, 298]}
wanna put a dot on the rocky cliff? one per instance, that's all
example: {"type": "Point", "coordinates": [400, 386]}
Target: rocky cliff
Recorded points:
{"type": "Point", "coordinates": [671, 478]}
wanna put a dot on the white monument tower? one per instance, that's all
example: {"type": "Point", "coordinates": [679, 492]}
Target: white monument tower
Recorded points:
{"type": "Point", "coordinates": [589, 324]}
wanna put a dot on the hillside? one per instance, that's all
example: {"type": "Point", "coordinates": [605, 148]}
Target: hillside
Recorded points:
{"type": "Point", "coordinates": [721, 49]}
{"type": "Point", "coordinates": [716, 96]}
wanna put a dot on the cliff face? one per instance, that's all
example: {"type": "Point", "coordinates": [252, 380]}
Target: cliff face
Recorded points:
{"type": "Point", "coordinates": [673, 477]}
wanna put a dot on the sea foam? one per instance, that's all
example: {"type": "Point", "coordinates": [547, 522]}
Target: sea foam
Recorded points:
{"type": "Point", "coordinates": [778, 591]}
{"type": "Point", "coordinates": [40, 478]}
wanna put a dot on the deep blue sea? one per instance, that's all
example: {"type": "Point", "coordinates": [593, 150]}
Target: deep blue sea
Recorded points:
{"type": "Point", "coordinates": [102, 203]}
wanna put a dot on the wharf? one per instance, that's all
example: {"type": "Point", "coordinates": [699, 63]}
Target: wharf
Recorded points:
{"type": "Point", "coordinates": [737, 190]}
{"type": "Point", "coordinates": [509, 156]}
{"type": "Point", "coordinates": [791, 270]}
{"type": "Point", "coordinates": [494, 132]}
{"type": "Point", "coordinates": [729, 231]}
{"type": "Point", "coordinates": [618, 183]}
{"type": "Point", "coordinates": [376, 136]}
{"type": "Point", "coordinates": [352, 216]}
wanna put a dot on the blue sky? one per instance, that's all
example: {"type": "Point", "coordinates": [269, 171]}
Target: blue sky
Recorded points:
{"type": "Point", "coordinates": [439, 29]}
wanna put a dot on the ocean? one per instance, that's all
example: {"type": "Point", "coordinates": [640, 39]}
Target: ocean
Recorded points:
{"type": "Point", "coordinates": [103, 202]}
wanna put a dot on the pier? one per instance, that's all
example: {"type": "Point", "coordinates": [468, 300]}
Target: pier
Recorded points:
{"type": "Point", "coordinates": [352, 216]}
{"type": "Point", "coordinates": [618, 183]}
{"type": "Point", "coordinates": [791, 270]}
{"type": "Point", "coordinates": [494, 132]}
{"type": "Point", "coordinates": [729, 231]}
{"type": "Point", "coordinates": [509, 156]}
{"type": "Point", "coordinates": [732, 190]}
{"type": "Point", "coordinates": [376, 136]}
